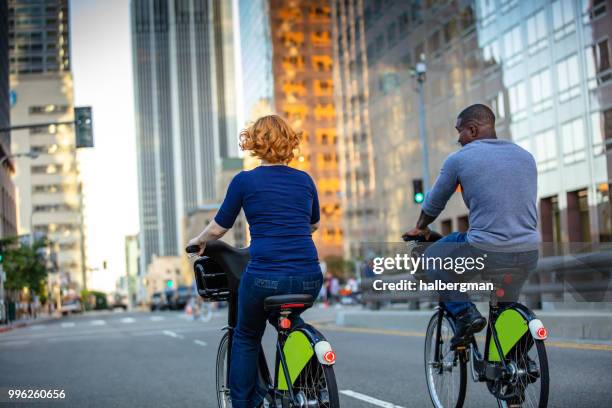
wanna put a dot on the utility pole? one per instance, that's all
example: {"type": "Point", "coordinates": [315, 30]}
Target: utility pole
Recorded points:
{"type": "Point", "coordinates": [419, 73]}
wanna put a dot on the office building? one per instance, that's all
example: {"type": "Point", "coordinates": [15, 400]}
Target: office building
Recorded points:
{"type": "Point", "coordinates": [542, 66]}
{"type": "Point", "coordinates": [256, 58]}
{"type": "Point", "coordinates": [8, 212]}
{"type": "Point", "coordinates": [48, 186]}
{"type": "Point", "coordinates": [302, 63]}
{"type": "Point", "coordinates": [185, 112]}
{"type": "Point", "coordinates": [133, 276]}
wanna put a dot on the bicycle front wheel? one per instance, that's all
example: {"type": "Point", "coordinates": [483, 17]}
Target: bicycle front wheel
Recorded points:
{"type": "Point", "coordinates": [446, 374]}
{"type": "Point", "coordinates": [223, 395]}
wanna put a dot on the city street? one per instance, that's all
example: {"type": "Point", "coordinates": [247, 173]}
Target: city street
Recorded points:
{"type": "Point", "coordinates": [166, 359]}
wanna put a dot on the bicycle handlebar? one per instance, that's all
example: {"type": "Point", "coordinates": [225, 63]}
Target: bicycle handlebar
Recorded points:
{"type": "Point", "coordinates": [192, 249]}
{"type": "Point", "coordinates": [433, 237]}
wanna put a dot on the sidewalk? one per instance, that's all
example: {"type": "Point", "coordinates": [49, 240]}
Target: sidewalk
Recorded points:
{"type": "Point", "coordinates": [26, 322]}
{"type": "Point", "coordinates": [562, 325]}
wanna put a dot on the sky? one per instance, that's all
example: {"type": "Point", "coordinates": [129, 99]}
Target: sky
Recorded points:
{"type": "Point", "coordinates": [102, 69]}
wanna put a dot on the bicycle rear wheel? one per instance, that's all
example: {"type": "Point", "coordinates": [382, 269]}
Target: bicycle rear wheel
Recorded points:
{"type": "Point", "coordinates": [223, 397]}
{"type": "Point", "coordinates": [529, 386]}
{"type": "Point", "coordinates": [316, 385]}
{"type": "Point", "coordinates": [446, 376]}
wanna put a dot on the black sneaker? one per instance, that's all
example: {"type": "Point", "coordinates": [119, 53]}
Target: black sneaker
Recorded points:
{"type": "Point", "coordinates": [467, 323]}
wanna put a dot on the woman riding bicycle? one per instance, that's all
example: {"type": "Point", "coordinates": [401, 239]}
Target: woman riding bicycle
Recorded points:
{"type": "Point", "coordinates": [282, 208]}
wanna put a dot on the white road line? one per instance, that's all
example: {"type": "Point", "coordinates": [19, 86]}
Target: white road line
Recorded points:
{"type": "Point", "coordinates": [37, 327]}
{"type": "Point", "coordinates": [371, 400]}
{"type": "Point", "coordinates": [157, 318]}
{"type": "Point", "coordinates": [200, 343]}
{"type": "Point", "coordinates": [173, 334]}
{"type": "Point", "coordinates": [128, 320]}
{"type": "Point", "coordinates": [67, 324]}
{"type": "Point", "coordinates": [98, 322]}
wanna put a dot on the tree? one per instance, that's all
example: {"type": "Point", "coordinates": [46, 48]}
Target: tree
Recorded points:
{"type": "Point", "coordinates": [338, 266]}
{"type": "Point", "coordinates": [24, 265]}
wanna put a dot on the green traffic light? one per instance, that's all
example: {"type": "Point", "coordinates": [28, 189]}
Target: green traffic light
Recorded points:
{"type": "Point", "coordinates": [169, 283]}
{"type": "Point", "coordinates": [419, 197]}
{"type": "Point", "coordinates": [1, 258]}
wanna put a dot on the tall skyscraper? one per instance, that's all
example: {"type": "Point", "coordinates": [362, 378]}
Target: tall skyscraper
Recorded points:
{"type": "Point", "coordinates": [302, 65]}
{"type": "Point", "coordinates": [8, 214]}
{"type": "Point", "coordinates": [544, 68]}
{"type": "Point", "coordinates": [185, 112]}
{"type": "Point", "coordinates": [49, 186]}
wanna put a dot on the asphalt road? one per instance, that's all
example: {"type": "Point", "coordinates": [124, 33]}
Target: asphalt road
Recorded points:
{"type": "Point", "coordinates": [167, 360]}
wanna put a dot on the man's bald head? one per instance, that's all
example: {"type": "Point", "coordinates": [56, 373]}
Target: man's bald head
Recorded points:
{"type": "Point", "coordinates": [475, 122]}
{"type": "Point", "coordinates": [477, 113]}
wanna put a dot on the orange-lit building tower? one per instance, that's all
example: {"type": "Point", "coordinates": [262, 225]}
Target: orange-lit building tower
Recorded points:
{"type": "Point", "coordinates": [303, 94]}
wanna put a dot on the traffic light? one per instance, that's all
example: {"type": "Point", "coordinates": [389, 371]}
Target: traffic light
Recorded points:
{"type": "Point", "coordinates": [169, 283]}
{"type": "Point", "coordinates": [1, 258]}
{"type": "Point", "coordinates": [418, 195]}
{"type": "Point", "coordinates": [83, 123]}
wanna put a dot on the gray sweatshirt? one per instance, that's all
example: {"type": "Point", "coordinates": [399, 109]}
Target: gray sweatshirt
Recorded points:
{"type": "Point", "coordinates": [499, 186]}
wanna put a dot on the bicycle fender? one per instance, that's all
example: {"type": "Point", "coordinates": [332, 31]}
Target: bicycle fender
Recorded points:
{"type": "Point", "coordinates": [298, 351]}
{"type": "Point", "coordinates": [510, 326]}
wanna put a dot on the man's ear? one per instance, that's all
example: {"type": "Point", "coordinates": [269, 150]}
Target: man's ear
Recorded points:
{"type": "Point", "coordinates": [473, 131]}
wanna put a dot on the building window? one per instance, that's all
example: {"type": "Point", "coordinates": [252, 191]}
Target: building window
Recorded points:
{"type": "Point", "coordinates": [498, 105]}
{"type": "Point", "coordinates": [541, 91]}
{"type": "Point", "coordinates": [601, 123]}
{"type": "Point", "coordinates": [491, 54]}
{"type": "Point", "coordinates": [450, 30]}
{"type": "Point", "coordinates": [598, 63]}
{"type": "Point", "coordinates": [536, 32]}
{"type": "Point", "coordinates": [404, 24]}
{"type": "Point", "coordinates": [487, 12]}
{"type": "Point", "coordinates": [546, 150]}
{"type": "Point", "coordinates": [568, 78]}
{"type": "Point", "coordinates": [563, 18]}
{"type": "Point", "coordinates": [578, 224]}
{"type": "Point", "coordinates": [513, 45]}
{"type": "Point", "coordinates": [392, 34]}
{"type": "Point", "coordinates": [517, 96]}
{"type": "Point", "coordinates": [48, 109]}
{"type": "Point", "coordinates": [591, 9]}
{"type": "Point", "coordinates": [572, 134]}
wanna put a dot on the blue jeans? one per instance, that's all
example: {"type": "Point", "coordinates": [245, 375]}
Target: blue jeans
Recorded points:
{"type": "Point", "coordinates": [455, 245]}
{"type": "Point", "coordinates": [246, 342]}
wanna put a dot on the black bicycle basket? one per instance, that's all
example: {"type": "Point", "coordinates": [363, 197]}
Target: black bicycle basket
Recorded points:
{"type": "Point", "coordinates": [211, 280]}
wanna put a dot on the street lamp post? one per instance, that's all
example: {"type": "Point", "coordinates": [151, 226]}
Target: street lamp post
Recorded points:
{"type": "Point", "coordinates": [419, 73]}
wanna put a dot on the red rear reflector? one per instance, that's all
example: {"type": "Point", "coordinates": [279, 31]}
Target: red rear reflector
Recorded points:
{"type": "Point", "coordinates": [329, 356]}
{"type": "Point", "coordinates": [500, 293]}
{"type": "Point", "coordinates": [291, 305]}
{"type": "Point", "coordinates": [285, 323]}
{"type": "Point", "coordinates": [542, 333]}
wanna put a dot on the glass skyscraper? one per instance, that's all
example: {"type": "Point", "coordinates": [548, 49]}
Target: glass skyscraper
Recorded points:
{"type": "Point", "coordinates": [185, 112]}
{"type": "Point", "coordinates": [544, 68]}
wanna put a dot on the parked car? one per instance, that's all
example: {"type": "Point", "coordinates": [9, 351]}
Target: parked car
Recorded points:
{"type": "Point", "coordinates": [70, 306]}
{"type": "Point", "coordinates": [181, 297]}
{"type": "Point", "coordinates": [117, 301]}
{"type": "Point", "coordinates": [158, 302]}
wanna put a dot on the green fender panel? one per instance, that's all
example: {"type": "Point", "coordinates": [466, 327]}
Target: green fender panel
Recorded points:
{"type": "Point", "coordinates": [510, 326]}
{"type": "Point", "coordinates": [298, 351]}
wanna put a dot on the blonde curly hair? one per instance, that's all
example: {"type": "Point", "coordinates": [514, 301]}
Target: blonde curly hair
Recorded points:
{"type": "Point", "coordinates": [271, 139]}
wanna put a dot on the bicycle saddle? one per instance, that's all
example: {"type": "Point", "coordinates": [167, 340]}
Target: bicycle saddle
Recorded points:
{"type": "Point", "coordinates": [288, 302]}
{"type": "Point", "coordinates": [232, 260]}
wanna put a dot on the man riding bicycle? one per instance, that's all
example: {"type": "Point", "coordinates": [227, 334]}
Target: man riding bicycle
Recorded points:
{"type": "Point", "coordinates": [498, 182]}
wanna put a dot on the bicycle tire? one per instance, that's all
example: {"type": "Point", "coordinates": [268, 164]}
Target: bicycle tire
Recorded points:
{"type": "Point", "coordinates": [222, 388]}
{"type": "Point", "coordinates": [461, 364]}
{"type": "Point", "coordinates": [543, 380]}
{"type": "Point", "coordinates": [309, 380]}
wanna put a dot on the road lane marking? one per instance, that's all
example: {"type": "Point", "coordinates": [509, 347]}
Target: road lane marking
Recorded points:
{"type": "Point", "coordinates": [67, 324]}
{"type": "Point", "coordinates": [173, 334]}
{"type": "Point", "coordinates": [128, 320]}
{"type": "Point", "coordinates": [37, 327]}
{"type": "Point", "coordinates": [200, 343]}
{"type": "Point", "coordinates": [371, 400]}
{"type": "Point", "coordinates": [403, 333]}
{"type": "Point", "coordinates": [157, 318]}
{"type": "Point", "coordinates": [98, 322]}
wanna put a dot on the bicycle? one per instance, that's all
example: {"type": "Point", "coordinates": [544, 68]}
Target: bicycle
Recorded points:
{"type": "Point", "coordinates": [304, 374]}
{"type": "Point", "coordinates": [514, 364]}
